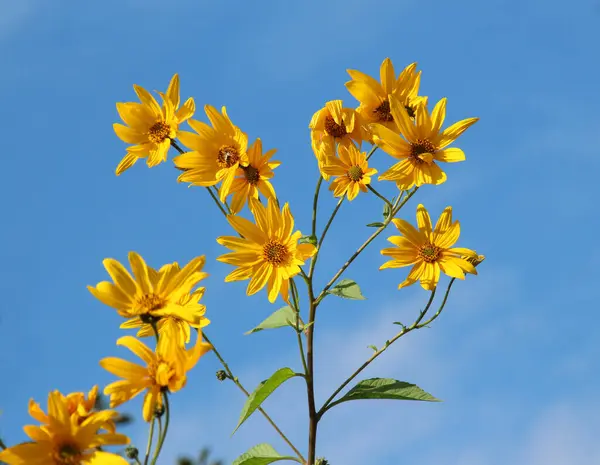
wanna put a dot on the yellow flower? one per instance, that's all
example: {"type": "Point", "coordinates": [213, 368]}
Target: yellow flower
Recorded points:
{"type": "Point", "coordinates": [151, 293]}
{"type": "Point", "coordinates": [267, 253]}
{"type": "Point", "coordinates": [165, 369]}
{"type": "Point", "coordinates": [218, 151]}
{"type": "Point", "coordinates": [429, 251]}
{"type": "Point", "coordinates": [423, 144]}
{"type": "Point", "coordinates": [66, 442]}
{"type": "Point", "coordinates": [254, 178]}
{"type": "Point", "coordinates": [172, 325]}
{"type": "Point", "coordinates": [374, 97]}
{"type": "Point", "coordinates": [151, 127]}
{"type": "Point", "coordinates": [334, 124]}
{"type": "Point", "coordinates": [352, 171]}
{"type": "Point", "coordinates": [78, 406]}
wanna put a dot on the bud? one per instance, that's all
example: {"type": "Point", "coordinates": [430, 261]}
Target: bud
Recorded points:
{"type": "Point", "coordinates": [131, 452]}
{"type": "Point", "coordinates": [321, 461]}
{"type": "Point", "coordinates": [185, 461]}
{"type": "Point", "coordinates": [159, 411]}
{"type": "Point", "coordinates": [221, 375]}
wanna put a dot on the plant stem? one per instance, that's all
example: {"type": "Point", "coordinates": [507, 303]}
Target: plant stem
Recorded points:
{"type": "Point", "coordinates": [371, 152]}
{"type": "Point", "coordinates": [260, 409]}
{"type": "Point", "coordinates": [315, 205]}
{"type": "Point", "coordinates": [2, 445]}
{"type": "Point", "coordinates": [162, 438]}
{"type": "Point", "coordinates": [380, 196]}
{"type": "Point", "coordinates": [364, 246]}
{"type": "Point", "coordinates": [405, 330]}
{"type": "Point", "coordinates": [310, 378]}
{"type": "Point", "coordinates": [313, 262]}
{"type": "Point", "coordinates": [149, 445]}
{"type": "Point", "coordinates": [297, 328]}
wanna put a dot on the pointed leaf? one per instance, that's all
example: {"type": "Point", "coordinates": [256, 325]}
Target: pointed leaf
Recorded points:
{"type": "Point", "coordinates": [264, 390]}
{"type": "Point", "coordinates": [262, 454]}
{"type": "Point", "coordinates": [375, 225]}
{"type": "Point", "coordinates": [347, 289]}
{"type": "Point", "coordinates": [308, 240]}
{"type": "Point", "coordinates": [385, 388]}
{"type": "Point", "coordinates": [285, 316]}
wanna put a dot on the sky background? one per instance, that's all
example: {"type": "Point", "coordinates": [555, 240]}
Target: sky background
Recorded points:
{"type": "Point", "coordinates": [514, 355]}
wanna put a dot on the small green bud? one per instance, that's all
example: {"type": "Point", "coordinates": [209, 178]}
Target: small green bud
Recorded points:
{"type": "Point", "coordinates": [131, 452]}
{"type": "Point", "coordinates": [321, 461]}
{"type": "Point", "coordinates": [221, 375]}
{"type": "Point", "coordinates": [159, 411]}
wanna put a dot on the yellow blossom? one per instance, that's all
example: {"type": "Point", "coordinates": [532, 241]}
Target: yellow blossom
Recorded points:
{"type": "Point", "coordinates": [374, 96]}
{"type": "Point", "coordinates": [421, 145]}
{"type": "Point", "coordinates": [254, 178]}
{"type": "Point", "coordinates": [150, 126]}
{"type": "Point", "coordinates": [218, 151]}
{"type": "Point", "coordinates": [268, 252]}
{"type": "Point", "coordinates": [158, 294]}
{"type": "Point", "coordinates": [429, 251]}
{"type": "Point", "coordinates": [351, 170]}
{"type": "Point", "coordinates": [165, 369]}
{"type": "Point", "coordinates": [63, 441]}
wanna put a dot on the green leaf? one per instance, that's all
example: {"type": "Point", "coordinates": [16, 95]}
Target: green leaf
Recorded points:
{"type": "Point", "coordinates": [385, 388]}
{"type": "Point", "coordinates": [387, 210]}
{"type": "Point", "coordinates": [372, 347]}
{"type": "Point", "coordinates": [375, 225]}
{"type": "Point", "coordinates": [285, 316]}
{"type": "Point", "coordinates": [262, 454]}
{"type": "Point", "coordinates": [308, 240]}
{"type": "Point", "coordinates": [264, 390]}
{"type": "Point", "coordinates": [347, 289]}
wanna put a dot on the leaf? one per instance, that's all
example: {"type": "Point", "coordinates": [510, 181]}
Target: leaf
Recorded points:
{"type": "Point", "coordinates": [262, 454]}
{"type": "Point", "coordinates": [347, 289]}
{"type": "Point", "coordinates": [387, 210]}
{"type": "Point", "coordinates": [264, 390]}
{"type": "Point", "coordinates": [308, 240]}
{"type": "Point", "coordinates": [372, 347]}
{"type": "Point", "coordinates": [285, 316]}
{"type": "Point", "coordinates": [375, 225]}
{"type": "Point", "coordinates": [385, 388]}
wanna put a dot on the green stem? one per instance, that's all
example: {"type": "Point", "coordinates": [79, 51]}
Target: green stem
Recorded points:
{"type": "Point", "coordinates": [313, 262]}
{"type": "Point", "coordinates": [162, 438]}
{"type": "Point", "coordinates": [310, 378]}
{"type": "Point", "coordinates": [380, 196]}
{"type": "Point", "coordinates": [364, 246]}
{"type": "Point", "coordinates": [315, 205]}
{"type": "Point", "coordinates": [2, 445]}
{"type": "Point", "coordinates": [260, 409]}
{"type": "Point", "coordinates": [329, 403]}
{"type": "Point", "coordinates": [297, 328]}
{"type": "Point", "coordinates": [371, 152]}
{"type": "Point", "coordinates": [149, 445]}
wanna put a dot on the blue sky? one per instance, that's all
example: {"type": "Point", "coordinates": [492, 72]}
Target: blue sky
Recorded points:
{"type": "Point", "coordinates": [514, 356]}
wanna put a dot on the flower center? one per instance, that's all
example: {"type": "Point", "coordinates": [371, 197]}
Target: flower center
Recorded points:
{"type": "Point", "coordinates": [355, 173]}
{"type": "Point", "coordinates": [383, 112]}
{"type": "Point", "coordinates": [419, 147]}
{"type": "Point", "coordinates": [228, 156]}
{"type": "Point", "coordinates": [334, 129]}
{"type": "Point", "coordinates": [276, 253]}
{"type": "Point", "coordinates": [67, 454]}
{"type": "Point", "coordinates": [159, 132]}
{"type": "Point", "coordinates": [150, 302]}
{"type": "Point", "coordinates": [251, 173]}
{"type": "Point", "coordinates": [161, 372]}
{"type": "Point", "coordinates": [429, 253]}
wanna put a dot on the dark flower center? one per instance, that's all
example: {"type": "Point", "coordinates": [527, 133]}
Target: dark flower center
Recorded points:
{"type": "Point", "coordinates": [334, 129]}
{"type": "Point", "coordinates": [251, 173]}
{"type": "Point", "coordinates": [355, 173]}
{"type": "Point", "coordinates": [159, 132]}
{"type": "Point", "coordinates": [228, 156]}
{"type": "Point", "coordinates": [275, 253]}
{"type": "Point", "coordinates": [429, 253]}
{"type": "Point", "coordinates": [68, 454]}
{"type": "Point", "coordinates": [419, 147]}
{"type": "Point", "coordinates": [150, 302]}
{"type": "Point", "coordinates": [383, 112]}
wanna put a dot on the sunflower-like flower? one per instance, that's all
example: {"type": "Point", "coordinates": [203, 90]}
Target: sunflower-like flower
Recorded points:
{"type": "Point", "coordinates": [429, 251]}
{"type": "Point", "coordinates": [268, 252]}
{"type": "Point", "coordinates": [333, 124]}
{"type": "Point", "coordinates": [165, 369]}
{"type": "Point", "coordinates": [421, 145]}
{"type": "Point", "coordinates": [218, 151]}
{"type": "Point", "coordinates": [374, 96]}
{"type": "Point", "coordinates": [150, 126]}
{"type": "Point", "coordinates": [165, 295]}
{"type": "Point", "coordinates": [79, 407]}
{"type": "Point", "coordinates": [352, 171]}
{"type": "Point", "coordinates": [254, 178]}
{"type": "Point", "coordinates": [65, 441]}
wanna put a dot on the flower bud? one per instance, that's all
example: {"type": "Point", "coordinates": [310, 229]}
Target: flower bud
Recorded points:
{"type": "Point", "coordinates": [221, 375]}
{"type": "Point", "coordinates": [159, 411]}
{"type": "Point", "coordinates": [131, 452]}
{"type": "Point", "coordinates": [474, 259]}
{"type": "Point", "coordinates": [321, 461]}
